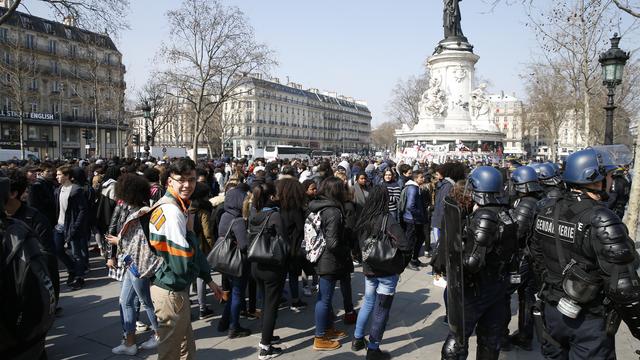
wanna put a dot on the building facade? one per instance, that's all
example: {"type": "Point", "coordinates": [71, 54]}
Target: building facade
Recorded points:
{"type": "Point", "coordinates": [60, 82]}
{"type": "Point", "coordinates": [569, 140]}
{"type": "Point", "coordinates": [507, 113]}
{"type": "Point", "coordinates": [266, 112]}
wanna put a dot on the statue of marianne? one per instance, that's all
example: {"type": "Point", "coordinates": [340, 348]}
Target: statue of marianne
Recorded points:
{"type": "Point", "coordinates": [451, 19]}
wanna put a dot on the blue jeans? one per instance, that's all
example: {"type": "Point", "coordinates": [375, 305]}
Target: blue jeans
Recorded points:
{"type": "Point", "coordinates": [373, 285]}
{"type": "Point", "coordinates": [76, 265]}
{"type": "Point", "coordinates": [323, 313]}
{"type": "Point", "coordinates": [132, 286]}
{"type": "Point", "coordinates": [232, 308]}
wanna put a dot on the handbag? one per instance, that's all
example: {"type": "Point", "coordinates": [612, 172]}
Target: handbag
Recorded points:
{"type": "Point", "coordinates": [225, 257]}
{"type": "Point", "coordinates": [267, 248]}
{"type": "Point", "coordinates": [379, 249]}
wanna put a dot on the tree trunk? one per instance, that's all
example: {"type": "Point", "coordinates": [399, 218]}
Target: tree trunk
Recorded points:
{"type": "Point", "coordinates": [196, 136]}
{"type": "Point", "coordinates": [21, 134]}
{"type": "Point", "coordinates": [631, 216]}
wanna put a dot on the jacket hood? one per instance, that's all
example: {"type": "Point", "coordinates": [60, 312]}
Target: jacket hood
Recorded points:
{"type": "Point", "coordinates": [411, 182]}
{"type": "Point", "coordinates": [321, 203]}
{"type": "Point", "coordinates": [233, 200]}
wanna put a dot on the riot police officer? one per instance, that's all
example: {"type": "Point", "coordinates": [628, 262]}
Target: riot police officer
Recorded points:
{"type": "Point", "coordinates": [488, 243]}
{"type": "Point", "coordinates": [588, 265]}
{"type": "Point", "coordinates": [550, 179]}
{"type": "Point", "coordinates": [619, 194]}
{"type": "Point", "coordinates": [528, 192]}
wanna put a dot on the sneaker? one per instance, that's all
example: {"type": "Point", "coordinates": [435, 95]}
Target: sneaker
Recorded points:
{"type": "Point", "coordinates": [298, 306]}
{"type": "Point", "coordinates": [325, 344]}
{"type": "Point", "coordinates": [335, 334]}
{"type": "Point", "coordinates": [520, 341]}
{"type": "Point", "coordinates": [356, 263]}
{"type": "Point", "coordinates": [150, 344]}
{"type": "Point", "coordinates": [275, 340]}
{"type": "Point", "coordinates": [141, 327]}
{"type": "Point", "coordinates": [418, 263]}
{"type": "Point", "coordinates": [205, 313]}
{"type": "Point", "coordinates": [350, 318]}
{"type": "Point", "coordinates": [445, 321]}
{"type": "Point", "coordinates": [377, 354]}
{"type": "Point", "coordinates": [77, 284]}
{"type": "Point", "coordinates": [251, 315]}
{"type": "Point", "coordinates": [427, 254]}
{"type": "Point", "coordinates": [123, 349]}
{"type": "Point", "coordinates": [412, 266]}
{"type": "Point", "coordinates": [269, 353]}
{"type": "Point", "coordinates": [358, 344]}
{"type": "Point", "coordinates": [440, 282]}
{"type": "Point", "coordinates": [239, 332]}
{"type": "Point", "coordinates": [306, 291]}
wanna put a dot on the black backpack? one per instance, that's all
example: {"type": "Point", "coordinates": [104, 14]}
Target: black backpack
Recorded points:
{"type": "Point", "coordinates": [27, 301]}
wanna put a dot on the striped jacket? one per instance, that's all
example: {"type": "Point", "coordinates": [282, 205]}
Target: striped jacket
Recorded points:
{"type": "Point", "coordinates": [178, 247]}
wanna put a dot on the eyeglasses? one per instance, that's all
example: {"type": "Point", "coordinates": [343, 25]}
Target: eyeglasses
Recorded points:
{"type": "Point", "coordinates": [184, 181]}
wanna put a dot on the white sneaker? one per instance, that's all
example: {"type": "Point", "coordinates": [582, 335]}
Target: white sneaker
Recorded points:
{"type": "Point", "coordinates": [123, 349]}
{"type": "Point", "coordinates": [140, 326]}
{"type": "Point", "coordinates": [150, 344]}
{"type": "Point", "coordinates": [440, 282]}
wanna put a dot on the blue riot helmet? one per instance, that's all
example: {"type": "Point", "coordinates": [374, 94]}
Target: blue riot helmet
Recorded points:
{"type": "Point", "coordinates": [556, 166]}
{"type": "Point", "coordinates": [587, 166]}
{"type": "Point", "coordinates": [535, 166]}
{"type": "Point", "coordinates": [548, 175]}
{"type": "Point", "coordinates": [486, 185]}
{"type": "Point", "coordinates": [525, 180]}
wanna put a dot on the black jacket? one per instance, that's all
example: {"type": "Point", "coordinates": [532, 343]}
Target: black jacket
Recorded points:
{"type": "Point", "coordinates": [76, 220]}
{"type": "Point", "coordinates": [403, 255]}
{"type": "Point", "coordinates": [39, 223]}
{"type": "Point", "coordinates": [41, 197]}
{"type": "Point", "coordinates": [336, 258]}
{"type": "Point", "coordinates": [293, 222]}
{"type": "Point", "coordinates": [274, 225]}
{"type": "Point", "coordinates": [233, 200]}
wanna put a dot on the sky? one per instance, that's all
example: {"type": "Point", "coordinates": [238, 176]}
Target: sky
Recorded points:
{"type": "Point", "coordinates": [357, 48]}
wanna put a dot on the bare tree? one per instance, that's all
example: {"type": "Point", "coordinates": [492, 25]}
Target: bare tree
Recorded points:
{"type": "Point", "coordinates": [550, 102]}
{"type": "Point", "coordinates": [383, 136]}
{"type": "Point", "coordinates": [627, 6]}
{"type": "Point", "coordinates": [405, 97]}
{"type": "Point", "coordinates": [210, 52]}
{"type": "Point", "coordinates": [154, 93]}
{"type": "Point", "coordinates": [20, 71]}
{"type": "Point", "coordinates": [98, 15]}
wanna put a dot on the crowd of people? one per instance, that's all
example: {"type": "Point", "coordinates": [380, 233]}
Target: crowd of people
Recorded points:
{"type": "Point", "coordinates": [550, 234]}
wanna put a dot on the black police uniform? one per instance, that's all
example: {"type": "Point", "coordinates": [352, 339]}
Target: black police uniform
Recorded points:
{"type": "Point", "coordinates": [521, 279]}
{"type": "Point", "coordinates": [619, 194]}
{"type": "Point", "coordinates": [489, 244]}
{"type": "Point", "coordinates": [577, 238]}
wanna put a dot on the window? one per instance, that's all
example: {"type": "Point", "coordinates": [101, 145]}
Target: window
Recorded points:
{"type": "Point", "coordinates": [55, 86]}
{"type": "Point", "coordinates": [55, 108]}
{"type": "Point", "coordinates": [73, 51]}
{"type": "Point", "coordinates": [34, 107]}
{"type": "Point", "coordinates": [4, 34]}
{"type": "Point", "coordinates": [30, 41]}
{"type": "Point", "coordinates": [55, 68]}
{"type": "Point", "coordinates": [248, 130]}
{"type": "Point", "coordinates": [32, 133]}
{"type": "Point", "coordinates": [70, 134]}
{"type": "Point", "coordinates": [7, 57]}
{"type": "Point", "coordinates": [53, 46]}
{"type": "Point", "coordinates": [34, 84]}
{"type": "Point", "coordinates": [75, 112]}
{"type": "Point", "coordinates": [108, 137]}
{"type": "Point", "coordinates": [7, 104]}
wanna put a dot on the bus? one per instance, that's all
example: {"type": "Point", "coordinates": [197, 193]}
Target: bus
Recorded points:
{"type": "Point", "coordinates": [286, 152]}
{"type": "Point", "coordinates": [320, 154]}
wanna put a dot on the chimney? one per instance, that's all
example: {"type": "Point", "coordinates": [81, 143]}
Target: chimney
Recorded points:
{"type": "Point", "coordinates": [70, 20]}
{"type": "Point", "coordinates": [313, 90]}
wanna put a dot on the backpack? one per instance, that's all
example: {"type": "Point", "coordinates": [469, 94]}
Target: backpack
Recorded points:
{"type": "Point", "coordinates": [104, 212]}
{"type": "Point", "coordinates": [28, 301]}
{"type": "Point", "coordinates": [314, 242]}
{"type": "Point", "coordinates": [402, 203]}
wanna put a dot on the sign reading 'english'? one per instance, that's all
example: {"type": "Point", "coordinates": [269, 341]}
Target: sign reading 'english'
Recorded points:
{"type": "Point", "coordinates": [33, 115]}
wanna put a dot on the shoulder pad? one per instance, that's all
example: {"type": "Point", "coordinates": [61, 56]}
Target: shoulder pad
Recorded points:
{"type": "Point", "coordinates": [603, 216]}
{"type": "Point", "coordinates": [525, 209]}
{"type": "Point", "coordinates": [485, 214]}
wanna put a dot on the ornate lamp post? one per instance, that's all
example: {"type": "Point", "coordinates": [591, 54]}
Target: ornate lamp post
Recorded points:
{"type": "Point", "coordinates": [612, 61]}
{"type": "Point", "coordinates": [146, 112]}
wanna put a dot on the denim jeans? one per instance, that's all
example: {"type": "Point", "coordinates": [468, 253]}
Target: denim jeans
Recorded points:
{"type": "Point", "coordinates": [385, 285]}
{"type": "Point", "coordinates": [233, 306]}
{"type": "Point", "coordinates": [76, 265]}
{"type": "Point", "coordinates": [323, 312]}
{"type": "Point", "coordinates": [132, 286]}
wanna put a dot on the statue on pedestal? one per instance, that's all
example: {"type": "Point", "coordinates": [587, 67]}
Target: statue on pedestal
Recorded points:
{"type": "Point", "coordinates": [479, 103]}
{"type": "Point", "coordinates": [434, 99]}
{"type": "Point", "coordinates": [451, 19]}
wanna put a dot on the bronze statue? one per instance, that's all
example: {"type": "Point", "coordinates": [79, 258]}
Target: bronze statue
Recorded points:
{"type": "Point", "coordinates": [451, 19]}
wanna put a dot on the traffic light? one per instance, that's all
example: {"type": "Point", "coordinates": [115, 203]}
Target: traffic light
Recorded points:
{"type": "Point", "coordinates": [136, 139]}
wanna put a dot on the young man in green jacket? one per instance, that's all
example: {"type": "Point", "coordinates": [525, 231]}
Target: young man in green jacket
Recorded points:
{"type": "Point", "coordinates": [172, 237]}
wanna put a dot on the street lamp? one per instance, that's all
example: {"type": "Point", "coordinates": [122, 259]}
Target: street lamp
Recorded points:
{"type": "Point", "coordinates": [612, 61]}
{"type": "Point", "coordinates": [146, 113]}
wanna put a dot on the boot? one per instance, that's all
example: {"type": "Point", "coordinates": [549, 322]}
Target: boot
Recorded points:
{"type": "Point", "coordinates": [325, 344]}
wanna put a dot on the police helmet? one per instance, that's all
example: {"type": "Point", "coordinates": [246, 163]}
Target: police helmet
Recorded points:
{"type": "Point", "coordinates": [587, 166]}
{"type": "Point", "coordinates": [547, 174]}
{"type": "Point", "coordinates": [525, 180]}
{"type": "Point", "coordinates": [486, 185]}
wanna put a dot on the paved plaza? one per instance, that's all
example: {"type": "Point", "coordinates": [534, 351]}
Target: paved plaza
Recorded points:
{"type": "Point", "coordinates": [90, 326]}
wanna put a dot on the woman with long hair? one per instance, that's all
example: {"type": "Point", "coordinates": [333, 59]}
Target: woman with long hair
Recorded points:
{"type": "Point", "coordinates": [292, 200]}
{"type": "Point", "coordinates": [393, 189]}
{"type": "Point", "coordinates": [270, 278]}
{"type": "Point", "coordinates": [334, 263]}
{"type": "Point", "coordinates": [201, 209]}
{"type": "Point", "coordinates": [133, 190]}
{"type": "Point", "coordinates": [380, 280]}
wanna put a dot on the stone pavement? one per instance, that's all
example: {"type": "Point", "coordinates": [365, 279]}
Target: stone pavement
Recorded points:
{"type": "Point", "coordinates": [90, 326]}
